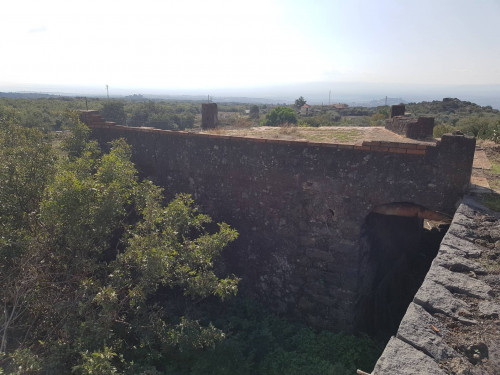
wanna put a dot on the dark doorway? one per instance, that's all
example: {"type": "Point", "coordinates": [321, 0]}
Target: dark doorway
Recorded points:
{"type": "Point", "coordinates": [398, 253]}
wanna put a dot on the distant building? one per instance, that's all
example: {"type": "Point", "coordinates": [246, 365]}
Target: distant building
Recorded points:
{"type": "Point", "coordinates": [305, 110]}
{"type": "Point", "coordinates": [340, 106]}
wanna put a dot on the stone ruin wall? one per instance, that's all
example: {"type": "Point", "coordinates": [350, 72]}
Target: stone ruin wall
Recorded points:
{"type": "Point", "coordinates": [410, 127]}
{"type": "Point", "coordinates": [300, 207]}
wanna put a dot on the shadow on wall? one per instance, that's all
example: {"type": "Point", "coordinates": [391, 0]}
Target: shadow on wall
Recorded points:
{"type": "Point", "coordinates": [400, 241]}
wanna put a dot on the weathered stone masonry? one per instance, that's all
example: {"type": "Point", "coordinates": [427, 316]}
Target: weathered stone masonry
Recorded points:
{"type": "Point", "coordinates": [300, 207]}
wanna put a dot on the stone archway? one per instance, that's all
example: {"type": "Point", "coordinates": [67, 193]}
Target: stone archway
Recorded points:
{"type": "Point", "coordinates": [400, 240]}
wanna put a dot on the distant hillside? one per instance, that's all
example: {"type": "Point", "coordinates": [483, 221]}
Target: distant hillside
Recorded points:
{"type": "Point", "coordinates": [27, 95]}
{"type": "Point", "coordinates": [379, 102]}
{"type": "Point", "coordinates": [448, 106]}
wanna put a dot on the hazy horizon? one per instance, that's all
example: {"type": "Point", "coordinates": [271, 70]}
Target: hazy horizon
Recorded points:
{"type": "Point", "coordinates": [229, 44]}
{"type": "Point", "coordinates": [313, 92]}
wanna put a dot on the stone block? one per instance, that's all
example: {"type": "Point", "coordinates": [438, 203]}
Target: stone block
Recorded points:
{"type": "Point", "coordinates": [416, 329]}
{"type": "Point", "coordinates": [400, 358]}
{"type": "Point", "coordinates": [459, 283]}
{"type": "Point", "coordinates": [209, 115]}
{"type": "Point", "coordinates": [397, 110]}
{"type": "Point", "coordinates": [435, 297]}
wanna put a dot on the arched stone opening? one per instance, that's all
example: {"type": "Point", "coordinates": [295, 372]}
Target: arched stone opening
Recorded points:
{"type": "Point", "coordinates": [399, 242]}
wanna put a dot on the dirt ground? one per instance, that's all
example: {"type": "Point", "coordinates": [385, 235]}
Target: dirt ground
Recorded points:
{"type": "Point", "coordinates": [488, 169]}
{"type": "Point", "coordinates": [324, 134]}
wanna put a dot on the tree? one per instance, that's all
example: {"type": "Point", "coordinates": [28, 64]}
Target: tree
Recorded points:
{"type": "Point", "coordinates": [26, 166]}
{"type": "Point", "coordinates": [300, 102]}
{"type": "Point", "coordinates": [94, 269]}
{"type": "Point", "coordinates": [254, 112]}
{"type": "Point", "coordinates": [477, 126]}
{"type": "Point", "coordinates": [114, 111]}
{"type": "Point", "coordinates": [280, 116]}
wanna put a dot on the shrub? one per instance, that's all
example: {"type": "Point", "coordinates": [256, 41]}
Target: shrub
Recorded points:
{"type": "Point", "coordinates": [479, 127]}
{"type": "Point", "coordinates": [441, 129]}
{"type": "Point", "coordinates": [280, 116]}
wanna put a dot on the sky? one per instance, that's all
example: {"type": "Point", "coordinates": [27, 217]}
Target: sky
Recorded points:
{"type": "Point", "coordinates": [205, 44]}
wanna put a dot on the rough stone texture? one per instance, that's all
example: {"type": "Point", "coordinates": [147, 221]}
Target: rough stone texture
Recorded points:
{"type": "Point", "coordinates": [416, 329]}
{"type": "Point", "coordinates": [300, 208]}
{"type": "Point", "coordinates": [459, 247]}
{"type": "Point", "coordinates": [399, 358]}
{"type": "Point", "coordinates": [489, 309]}
{"type": "Point", "coordinates": [415, 128]}
{"type": "Point", "coordinates": [435, 297]}
{"type": "Point", "coordinates": [459, 283]}
{"type": "Point", "coordinates": [459, 330]}
{"type": "Point", "coordinates": [457, 263]}
{"type": "Point", "coordinates": [397, 110]}
{"type": "Point", "coordinates": [209, 115]}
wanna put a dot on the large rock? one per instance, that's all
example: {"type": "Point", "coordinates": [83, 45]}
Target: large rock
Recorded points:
{"type": "Point", "coordinates": [416, 329]}
{"type": "Point", "coordinates": [435, 297]}
{"type": "Point", "coordinates": [459, 283]}
{"type": "Point", "coordinates": [489, 309]}
{"type": "Point", "coordinates": [457, 263]}
{"type": "Point", "coordinates": [460, 246]}
{"type": "Point", "coordinates": [402, 359]}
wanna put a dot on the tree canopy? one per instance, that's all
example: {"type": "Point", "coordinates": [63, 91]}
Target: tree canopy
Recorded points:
{"type": "Point", "coordinates": [300, 102]}
{"type": "Point", "coordinates": [280, 116]}
{"type": "Point", "coordinates": [254, 112]}
{"type": "Point", "coordinates": [114, 111]}
{"type": "Point", "coordinates": [85, 251]}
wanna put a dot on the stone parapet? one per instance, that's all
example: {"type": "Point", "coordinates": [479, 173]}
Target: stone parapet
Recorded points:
{"type": "Point", "coordinates": [414, 128]}
{"type": "Point", "coordinates": [451, 327]}
{"type": "Point", "coordinates": [410, 127]}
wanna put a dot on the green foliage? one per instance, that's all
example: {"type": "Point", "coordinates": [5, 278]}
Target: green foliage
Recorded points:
{"type": "Point", "coordinates": [329, 118]}
{"type": "Point", "coordinates": [24, 362]}
{"type": "Point", "coordinates": [478, 126]}
{"type": "Point", "coordinates": [300, 102]}
{"type": "Point", "coordinates": [280, 116]}
{"type": "Point", "coordinates": [384, 110]}
{"type": "Point", "coordinates": [114, 111]}
{"type": "Point", "coordinates": [92, 262]}
{"type": "Point", "coordinates": [495, 137]}
{"type": "Point", "coordinates": [377, 119]}
{"type": "Point", "coordinates": [450, 106]}
{"type": "Point", "coordinates": [441, 129]}
{"type": "Point", "coordinates": [258, 342]}
{"type": "Point", "coordinates": [254, 112]}
{"type": "Point", "coordinates": [355, 121]}
{"type": "Point", "coordinates": [160, 116]}
{"type": "Point", "coordinates": [97, 363]}
{"type": "Point", "coordinates": [358, 111]}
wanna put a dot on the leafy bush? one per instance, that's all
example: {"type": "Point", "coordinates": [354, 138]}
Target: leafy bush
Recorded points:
{"type": "Point", "coordinates": [254, 112]}
{"type": "Point", "coordinates": [86, 250]}
{"type": "Point", "coordinates": [258, 342]}
{"type": "Point", "coordinates": [326, 119]}
{"type": "Point", "coordinates": [280, 116]}
{"type": "Point", "coordinates": [479, 127]}
{"type": "Point", "coordinates": [441, 129]}
{"type": "Point", "coordinates": [377, 119]}
{"type": "Point", "coordinates": [114, 111]}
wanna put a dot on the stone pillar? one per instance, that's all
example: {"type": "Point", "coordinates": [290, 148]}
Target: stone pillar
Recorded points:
{"type": "Point", "coordinates": [209, 118]}
{"type": "Point", "coordinates": [397, 110]}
